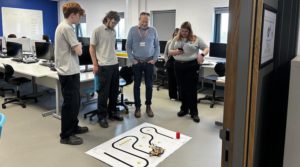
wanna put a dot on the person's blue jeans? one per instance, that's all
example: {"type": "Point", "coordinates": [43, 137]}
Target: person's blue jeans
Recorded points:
{"type": "Point", "coordinates": [138, 70]}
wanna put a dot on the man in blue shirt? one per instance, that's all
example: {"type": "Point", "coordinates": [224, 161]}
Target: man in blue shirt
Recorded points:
{"type": "Point", "coordinates": [143, 51]}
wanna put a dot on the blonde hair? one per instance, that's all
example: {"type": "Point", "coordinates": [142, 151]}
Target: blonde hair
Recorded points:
{"type": "Point", "coordinates": [186, 25]}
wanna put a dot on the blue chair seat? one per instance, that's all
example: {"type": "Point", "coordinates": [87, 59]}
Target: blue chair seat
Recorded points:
{"type": "Point", "coordinates": [122, 82]}
{"type": "Point", "coordinates": [2, 121]}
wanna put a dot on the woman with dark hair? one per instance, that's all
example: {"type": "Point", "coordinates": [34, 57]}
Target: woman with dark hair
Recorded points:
{"type": "Point", "coordinates": [172, 84]}
{"type": "Point", "coordinates": [12, 36]}
{"type": "Point", "coordinates": [46, 38]}
{"type": "Point", "coordinates": [185, 50]}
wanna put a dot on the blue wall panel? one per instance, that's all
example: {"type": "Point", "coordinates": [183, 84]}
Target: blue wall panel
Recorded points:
{"type": "Point", "coordinates": [49, 8]}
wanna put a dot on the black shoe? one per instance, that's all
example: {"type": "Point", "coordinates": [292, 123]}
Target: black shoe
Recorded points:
{"type": "Point", "coordinates": [137, 113]}
{"type": "Point", "coordinates": [117, 117]}
{"type": "Point", "coordinates": [149, 111]}
{"type": "Point", "coordinates": [72, 140]}
{"type": "Point", "coordinates": [81, 130]}
{"type": "Point", "coordinates": [182, 113]}
{"type": "Point", "coordinates": [103, 123]}
{"type": "Point", "coordinates": [195, 118]}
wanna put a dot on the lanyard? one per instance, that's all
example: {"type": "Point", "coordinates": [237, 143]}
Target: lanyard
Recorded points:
{"type": "Point", "coordinates": [142, 36]}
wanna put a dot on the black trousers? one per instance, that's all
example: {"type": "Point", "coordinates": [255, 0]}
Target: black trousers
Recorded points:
{"type": "Point", "coordinates": [70, 88]}
{"type": "Point", "coordinates": [172, 83]}
{"type": "Point", "coordinates": [187, 79]}
{"type": "Point", "coordinates": [108, 91]}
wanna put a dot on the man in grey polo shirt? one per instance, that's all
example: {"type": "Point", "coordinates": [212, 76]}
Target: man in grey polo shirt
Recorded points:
{"type": "Point", "coordinates": [106, 66]}
{"type": "Point", "coordinates": [143, 51]}
{"type": "Point", "coordinates": [67, 50]}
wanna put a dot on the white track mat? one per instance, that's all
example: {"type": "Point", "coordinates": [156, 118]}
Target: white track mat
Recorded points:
{"type": "Point", "coordinates": [132, 148]}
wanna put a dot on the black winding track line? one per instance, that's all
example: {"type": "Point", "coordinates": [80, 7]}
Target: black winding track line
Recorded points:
{"type": "Point", "coordinates": [141, 130]}
{"type": "Point", "coordinates": [117, 159]}
{"type": "Point", "coordinates": [113, 145]}
{"type": "Point", "coordinates": [133, 145]}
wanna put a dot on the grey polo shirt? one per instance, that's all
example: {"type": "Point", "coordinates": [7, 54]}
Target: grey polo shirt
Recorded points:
{"type": "Point", "coordinates": [104, 40]}
{"type": "Point", "coordinates": [190, 49]}
{"type": "Point", "coordinates": [66, 60]}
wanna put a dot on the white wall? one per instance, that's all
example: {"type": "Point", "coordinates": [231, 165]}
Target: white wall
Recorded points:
{"type": "Point", "coordinates": [199, 12]}
{"type": "Point", "coordinates": [298, 45]}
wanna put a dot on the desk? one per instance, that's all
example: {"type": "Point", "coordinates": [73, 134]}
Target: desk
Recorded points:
{"type": "Point", "coordinates": [52, 81]}
{"type": "Point", "coordinates": [42, 75]}
{"type": "Point", "coordinates": [31, 71]}
{"type": "Point", "coordinates": [123, 58]}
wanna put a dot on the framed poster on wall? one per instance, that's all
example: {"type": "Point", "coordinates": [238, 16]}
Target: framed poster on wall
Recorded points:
{"type": "Point", "coordinates": [268, 35]}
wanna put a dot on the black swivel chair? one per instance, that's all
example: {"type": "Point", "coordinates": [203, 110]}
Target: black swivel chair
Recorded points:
{"type": "Point", "coordinates": [126, 78]}
{"type": "Point", "coordinates": [8, 77]}
{"type": "Point", "coordinates": [2, 89]}
{"type": "Point", "coordinates": [220, 70]}
{"type": "Point", "coordinates": [161, 73]}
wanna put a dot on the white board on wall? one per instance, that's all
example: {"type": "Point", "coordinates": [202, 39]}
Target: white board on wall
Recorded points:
{"type": "Point", "coordinates": [22, 22]}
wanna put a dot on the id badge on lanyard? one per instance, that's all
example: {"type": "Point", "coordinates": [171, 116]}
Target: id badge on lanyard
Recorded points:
{"type": "Point", "coordinates": [142, 36]}
{"type": "Point", "coordinates": [142, 44]}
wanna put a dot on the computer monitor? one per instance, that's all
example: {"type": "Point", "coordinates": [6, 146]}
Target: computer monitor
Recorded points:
{"type": "Point", "coordinates": [26, 44]}
{"type": "Point", "coordinates": [84, 40]}
{"type": "Point", "coordinates": [3, 48]}
{"type": "Point", "coordinates": [0, 44]}
{"type": "Point", "coordinates": [13, 48]}
{"type": "Point", "coordinates": [217, 50]}
{"type": "Point", "coordinates": [162, 45]}
{"type": "Point", "coordinates": [85, 58]}
{"type": "Point", "coordinates": [42, 50]}
{"type": "Point", "coordinates": [123, 44]}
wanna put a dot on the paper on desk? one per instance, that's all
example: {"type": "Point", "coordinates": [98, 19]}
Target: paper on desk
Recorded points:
{"type": "Point", "coordinates": [221, 78]}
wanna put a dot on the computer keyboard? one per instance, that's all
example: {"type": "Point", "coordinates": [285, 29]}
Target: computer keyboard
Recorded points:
{"type": "Point", "coordinates": [30, 60]}
{"type": "Point", "coordinates": [3, 55]}
{"type": "Point", "coordinates": [17, 59]}
{"type": "Point", "coordinates": [47, 64]}
{"type": "Point", "coordinates": [215, 59]}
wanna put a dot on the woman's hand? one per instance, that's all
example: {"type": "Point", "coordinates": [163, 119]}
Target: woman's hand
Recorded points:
{"type": "Point", "coordinates": [200, 58]}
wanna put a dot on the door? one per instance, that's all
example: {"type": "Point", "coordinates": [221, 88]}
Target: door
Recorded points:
{"type": "Point", "coordinates": [255, 95]}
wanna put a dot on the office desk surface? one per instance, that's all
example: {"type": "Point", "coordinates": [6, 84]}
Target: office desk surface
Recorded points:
{"type": "Point", "coordinates": [34, 69]}
{"type": "Point", "coordinates": [84, 76]}
{"type": "Point", "coordinates": [122, 54]}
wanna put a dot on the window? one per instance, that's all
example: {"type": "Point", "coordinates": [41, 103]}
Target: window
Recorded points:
{"type": "Point", "coordinates": [120, 28]}
{"type": "Point", "coordinates": [80, 29]}
{"type": "Point", "coordinates": [221, 25]}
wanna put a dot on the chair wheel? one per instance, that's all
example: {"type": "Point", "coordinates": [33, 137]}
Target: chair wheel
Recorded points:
{"type": "Point", "coordinates": [23, 105]}
{"type": "Point", "coordinates": [5, 99]}
{"type": "Point", "coordinates": [3, 106]}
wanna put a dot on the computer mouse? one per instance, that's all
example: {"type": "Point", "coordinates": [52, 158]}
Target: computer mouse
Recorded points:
{"type": "Point", "coordinates": [52, 68]}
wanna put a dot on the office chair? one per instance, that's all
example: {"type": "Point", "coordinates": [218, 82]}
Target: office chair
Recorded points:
{"type": "Point", "coordinates": [220, 70]}
{"type": "Point", "coordinates": [126, 78]}
{"type": "Point", "coordinates": [2, 121]}
{"type": "Point", "coordinates": [8, 77]}
{"type": "Point", "coordinates": [2, 89]}
{"type": "Point", "coordinates": [93, 113]}
{"type": "Point", "coordinates": [161, 73]}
